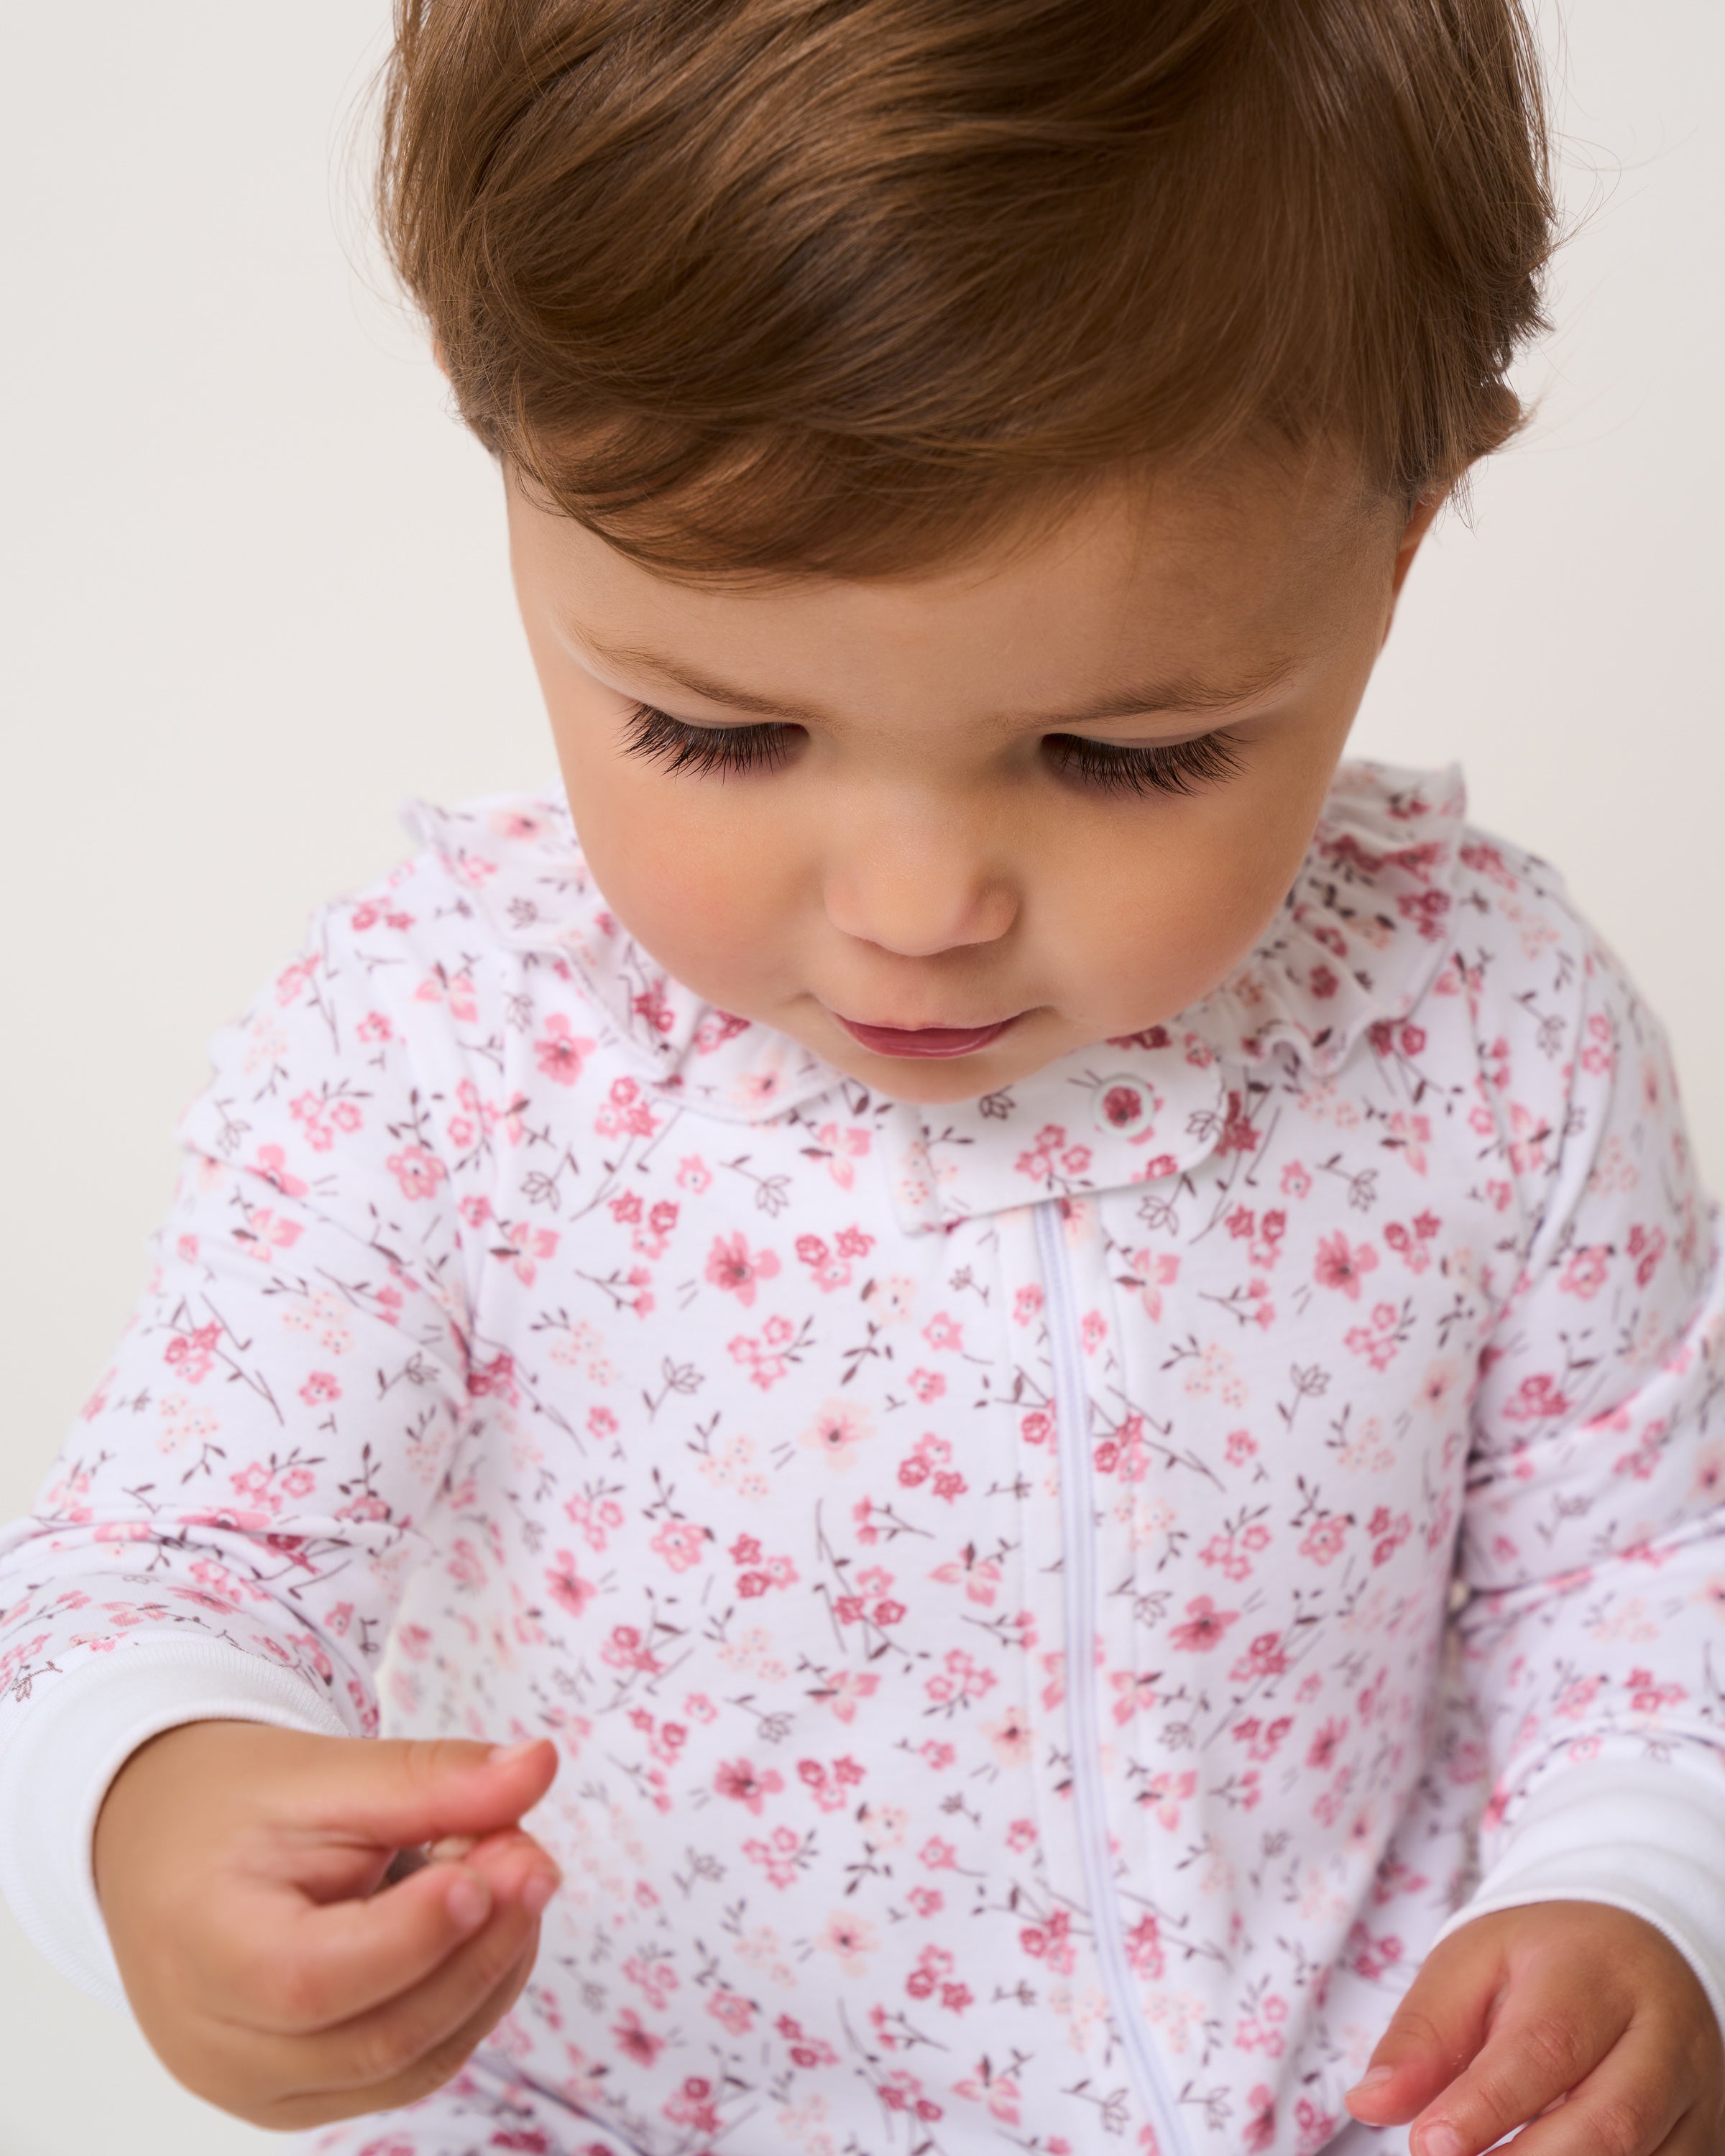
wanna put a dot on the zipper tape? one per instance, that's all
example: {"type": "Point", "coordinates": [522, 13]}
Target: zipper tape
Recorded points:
{"type": "Point", "coordinates": [1078, 1531]}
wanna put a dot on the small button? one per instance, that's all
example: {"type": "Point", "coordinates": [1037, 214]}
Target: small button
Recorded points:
{"type": "Point", "coordinates": [1124, 1106]}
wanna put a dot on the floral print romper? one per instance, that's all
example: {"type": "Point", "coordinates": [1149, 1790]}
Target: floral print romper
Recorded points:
{"type": "Point", "coordinates": [1048, 1606]}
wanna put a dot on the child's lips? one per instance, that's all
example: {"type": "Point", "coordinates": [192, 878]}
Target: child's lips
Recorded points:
{"type": "Point", "coordinates": [926, 1040]}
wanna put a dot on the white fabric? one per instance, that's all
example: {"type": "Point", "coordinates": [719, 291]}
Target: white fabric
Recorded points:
{"type": "Point", "coordinates": [1649, 1840]}
{"type": "Point", "coordinates": [634, 1378]}
{"type": "Point", "coordinates": [55, 1778]}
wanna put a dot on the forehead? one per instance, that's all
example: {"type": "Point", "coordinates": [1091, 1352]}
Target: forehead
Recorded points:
{"type": "Point", "coordinates": [1186, 575]}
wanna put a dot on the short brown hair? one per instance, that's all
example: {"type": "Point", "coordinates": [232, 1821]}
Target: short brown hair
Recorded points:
{"type": "Point", "coordinates": [833, 285]}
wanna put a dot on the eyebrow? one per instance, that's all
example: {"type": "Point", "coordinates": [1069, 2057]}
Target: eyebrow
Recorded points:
{"type": "Point", "coordinates": [1175, 693]}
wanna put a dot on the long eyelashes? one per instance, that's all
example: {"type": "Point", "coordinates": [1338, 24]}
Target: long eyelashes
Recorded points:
{"type": "Point", "coordinates": [708, 751]}
{"type": "Point", "coordinates": [1103, 767]}
{"type": "Point", "coordinates": [1181, 767]}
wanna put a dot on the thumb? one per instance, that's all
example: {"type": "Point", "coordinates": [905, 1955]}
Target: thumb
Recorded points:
{"type": "Point", "coordinates": [393, 1793]}
{"type": "Point", "coordinates": [1438, 2026]}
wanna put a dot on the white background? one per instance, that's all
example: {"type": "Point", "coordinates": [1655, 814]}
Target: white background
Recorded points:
{"type": "Point", "coordinates": [254, 593]}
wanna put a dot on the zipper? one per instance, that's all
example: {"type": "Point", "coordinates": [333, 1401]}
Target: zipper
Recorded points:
{"type": "Point", "coordinates": [1078, 1532]}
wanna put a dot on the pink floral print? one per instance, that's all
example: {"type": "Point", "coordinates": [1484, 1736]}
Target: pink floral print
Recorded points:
{"type": "Point", "coordinates": [532, 1349]}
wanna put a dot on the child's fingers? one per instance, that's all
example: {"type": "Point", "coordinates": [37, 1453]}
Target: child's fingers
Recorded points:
{"type": "Point", "coordinates": [1547, 2038]}
{"type": "Point", "coordinates": [1696, 2134]}
{"type": "Point", "coordinates": [1633, 2103]}
{"type": "Point", "coordinates": [289, 1966]}
{"type": "Point", "coordinates": [429, 2070]}
{"type": "Point", "coordinates": [1438, 2026]}
{"type": "Point", "coordinates": [376, 2048]}
{"type": "Point", "coordinates": [392, 2053]}
{"type": "Point", "coordinates": [434, 2067]}
{"type": "Point", "coordinates": [392, 1793]}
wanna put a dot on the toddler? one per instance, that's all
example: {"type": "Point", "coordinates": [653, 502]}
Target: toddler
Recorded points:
{"type": "Point", "coordinates": [1008, 1396]}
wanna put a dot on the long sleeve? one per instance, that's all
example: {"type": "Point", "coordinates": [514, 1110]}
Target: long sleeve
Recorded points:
{"type": "Point", "coordinates": [1594, 1539]}
{"type": "Point", "coordinates": [229, 1528]}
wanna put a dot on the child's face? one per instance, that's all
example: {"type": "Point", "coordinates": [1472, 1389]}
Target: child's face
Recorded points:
{"type": "Point", "coordinates": [948, 816]}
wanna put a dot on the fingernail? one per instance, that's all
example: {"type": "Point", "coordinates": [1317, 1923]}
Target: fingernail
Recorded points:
{"type": "Point", "coordinates": [1441, 2140]}
{"type": "Point", "coordinates": [1373, 2078]}
{"type": "Point", "coordinates": [469, 1902]}
{"type": "Point", "coordinates": [538, 1890]}
{"type": "Point", "coordinates": [505, 1755]}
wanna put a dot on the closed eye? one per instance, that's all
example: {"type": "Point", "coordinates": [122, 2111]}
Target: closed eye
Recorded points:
{"type": "Point", "coordinates": [1181, 767]}
{"type": "Point", "coordinates": [707, 750]}
{"type": "Point", "coordinates": [1112, 767]}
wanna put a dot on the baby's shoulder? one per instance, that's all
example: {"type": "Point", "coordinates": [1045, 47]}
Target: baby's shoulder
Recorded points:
{"type": "Point", "coordinates": [448, 933]}
{"type": "Point", "coordinates": [1420, 950]}
{"type": "Point", "coordinates": [1505, 892]}
{"type": "Point", "coordinates": [482, 872]}
{"type": "Point", "coordinates": [397, 1022]}
{"type": "Point", "coordinates": [1555, 1042]}
{"type": "Point", "coordinates": [431, 960]}
{"type": "Point", "coordinates": [1527, 957]}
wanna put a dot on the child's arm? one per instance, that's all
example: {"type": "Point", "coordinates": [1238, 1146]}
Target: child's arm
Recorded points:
{"type": "Point", "coordinates": [239, 1869]}
{"type": "Point", "coordinates": [231, 1524]}
{"type": "Point", "coordinates": [1590, 1963]}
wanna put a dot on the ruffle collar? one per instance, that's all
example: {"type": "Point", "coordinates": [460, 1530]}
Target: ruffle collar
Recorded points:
{"type": "Point", "coordinates": [1364, 929]}
{"type": "Point", "coordinates": [1356, 945]}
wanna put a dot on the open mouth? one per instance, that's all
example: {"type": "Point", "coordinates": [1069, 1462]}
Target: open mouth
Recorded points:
{"type": "Point", "coordinates": [924, 1039]}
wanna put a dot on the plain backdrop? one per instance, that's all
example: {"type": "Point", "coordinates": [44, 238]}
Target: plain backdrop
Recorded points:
{"type": "Point", "coordinates": [253, 593]}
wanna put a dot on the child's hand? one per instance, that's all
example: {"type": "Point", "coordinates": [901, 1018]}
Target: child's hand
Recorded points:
{"type": "Point", "coordinates": [238, 1869]}
{"type": "Point", "coordinates": [1568, 2003]}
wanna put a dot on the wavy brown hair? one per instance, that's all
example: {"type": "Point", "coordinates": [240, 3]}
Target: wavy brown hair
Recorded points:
{"type": "Point", "coordinates": [840, 286]}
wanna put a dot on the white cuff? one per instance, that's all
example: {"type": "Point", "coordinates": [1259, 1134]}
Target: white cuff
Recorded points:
{"type": "Point", "coordinates": [71, 1742]}
{"type": "Point", "coordinates": [1638, 1836]}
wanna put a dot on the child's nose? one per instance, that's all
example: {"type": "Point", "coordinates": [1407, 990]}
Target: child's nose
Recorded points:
{"type": "Point", "coordinates": [919, 892]}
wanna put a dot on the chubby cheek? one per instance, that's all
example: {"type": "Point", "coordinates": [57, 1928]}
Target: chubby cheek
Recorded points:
{"type": "Point", "coordinates": [1151, 931]}
{"type": "Point", "coordinates": [713, 897]}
